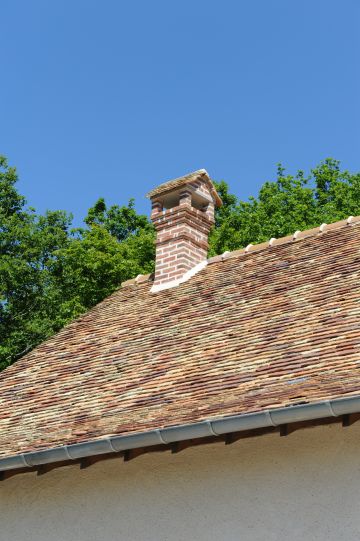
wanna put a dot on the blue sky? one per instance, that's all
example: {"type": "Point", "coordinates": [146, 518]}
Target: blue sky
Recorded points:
{"type": "Point", "coordinates": [110, 98]}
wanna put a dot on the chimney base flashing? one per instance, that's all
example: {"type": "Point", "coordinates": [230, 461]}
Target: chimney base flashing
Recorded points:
{"type": "Point", "coordinates": [174, 283]}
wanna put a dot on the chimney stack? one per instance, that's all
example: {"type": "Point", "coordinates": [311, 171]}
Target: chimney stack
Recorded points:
{"type": "Point", "coordinates": [183, 214]}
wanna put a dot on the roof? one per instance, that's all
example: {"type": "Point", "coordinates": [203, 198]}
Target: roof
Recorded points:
{"type": "Point", "coordinates": [190, 178]}
{"type": "Point", "coordinates": [273, 325]}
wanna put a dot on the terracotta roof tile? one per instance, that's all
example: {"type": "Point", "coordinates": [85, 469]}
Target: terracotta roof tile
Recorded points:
{"type": "Point", "coordinates": [171, 185]}
{"type": "Point", "coordinates": [272, 327]}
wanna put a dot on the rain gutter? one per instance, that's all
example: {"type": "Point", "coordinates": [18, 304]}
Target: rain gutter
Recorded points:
{"type": "Point", "coordinates": [216, 427]}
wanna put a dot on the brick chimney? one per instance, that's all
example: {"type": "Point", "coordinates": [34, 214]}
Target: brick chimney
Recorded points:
{"type": "Point", "coordinates": [183, 214]}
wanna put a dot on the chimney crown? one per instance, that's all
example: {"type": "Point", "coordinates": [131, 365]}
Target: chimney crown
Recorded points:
{"type": "Point", "coordinates": [183, 214]}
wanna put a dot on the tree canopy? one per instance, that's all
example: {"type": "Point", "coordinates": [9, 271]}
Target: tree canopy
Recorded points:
{"type": "Point", "coordinates": [290, 203]}
{"type": "Point", "coordinates": [50, 272]}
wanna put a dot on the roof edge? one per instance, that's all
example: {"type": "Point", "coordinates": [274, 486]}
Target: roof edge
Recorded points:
{"type": "Point", "coordinates": [251, 248]}
{"type": "Point", "coordinates": [297, 236]}
{"type": "Point", "coordinates": [214, 427]}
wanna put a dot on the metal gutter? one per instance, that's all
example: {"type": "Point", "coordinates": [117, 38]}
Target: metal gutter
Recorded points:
{"type": "Point", "coordinates": [215, 427]}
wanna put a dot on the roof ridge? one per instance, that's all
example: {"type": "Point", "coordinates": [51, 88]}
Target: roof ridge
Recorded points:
{"type": "Point", "coordinates": [297, 236]}
{"type": "Point", "coordinates": [250, 248]}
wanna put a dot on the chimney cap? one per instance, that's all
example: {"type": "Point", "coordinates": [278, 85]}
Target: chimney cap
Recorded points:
{"type": "Point", "coordinates": [177, 183]}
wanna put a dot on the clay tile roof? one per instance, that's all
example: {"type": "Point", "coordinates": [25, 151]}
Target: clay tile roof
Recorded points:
{"type": "Point", "coordinates": [172, 185]}
{"type": "Point", "coordinates": [276, 325]}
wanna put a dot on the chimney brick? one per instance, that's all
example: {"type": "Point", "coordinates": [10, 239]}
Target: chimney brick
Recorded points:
{"type": "Point", "coordinates": [183, 214]}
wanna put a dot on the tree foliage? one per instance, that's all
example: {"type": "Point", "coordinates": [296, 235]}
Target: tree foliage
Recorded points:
{"type": "Point", "coordinates": [290, 203]}
{"type": "Point", "coordinates": [51, 273]}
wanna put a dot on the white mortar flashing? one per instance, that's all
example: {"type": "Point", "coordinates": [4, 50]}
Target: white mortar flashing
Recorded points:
{"type": "Point", "coordinates": [173, 283]}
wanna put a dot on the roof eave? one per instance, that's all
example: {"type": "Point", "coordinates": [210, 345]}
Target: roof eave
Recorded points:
{"type": "Point", "coordinates": [215, 427]}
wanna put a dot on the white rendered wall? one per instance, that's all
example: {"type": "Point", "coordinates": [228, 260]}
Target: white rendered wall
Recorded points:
{"type": "Point", "coordinates": [305, 486]}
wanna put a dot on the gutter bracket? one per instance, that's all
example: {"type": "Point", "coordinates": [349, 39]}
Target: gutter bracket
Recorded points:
{"type": "Point", "coordinates": [331, 409]}
{"type": "Point", "coordinates": [212, 431]}
{"type": "Point", "coordinates": [269, 418]}
{"type": "Point", "coordinates": [160, 437]}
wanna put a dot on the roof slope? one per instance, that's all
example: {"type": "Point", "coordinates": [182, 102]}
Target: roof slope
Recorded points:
{"type": "Point", "coordinates": [263, 329]}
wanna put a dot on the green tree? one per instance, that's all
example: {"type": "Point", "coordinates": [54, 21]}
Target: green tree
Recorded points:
{"type": "Point", "coordinates": [290, 203]}
{"type": "Point", "coordinates": [50, 273]}
{"type": "Point", "coordinates": [94, 263]}
{"type": "Point", "coordinates": [121, 222]}
{"type": "Point", "coordinates": [27, 245]}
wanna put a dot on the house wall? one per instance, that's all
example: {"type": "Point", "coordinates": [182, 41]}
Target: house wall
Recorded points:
{"type": "Point", "coordinates": [305, 486]}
